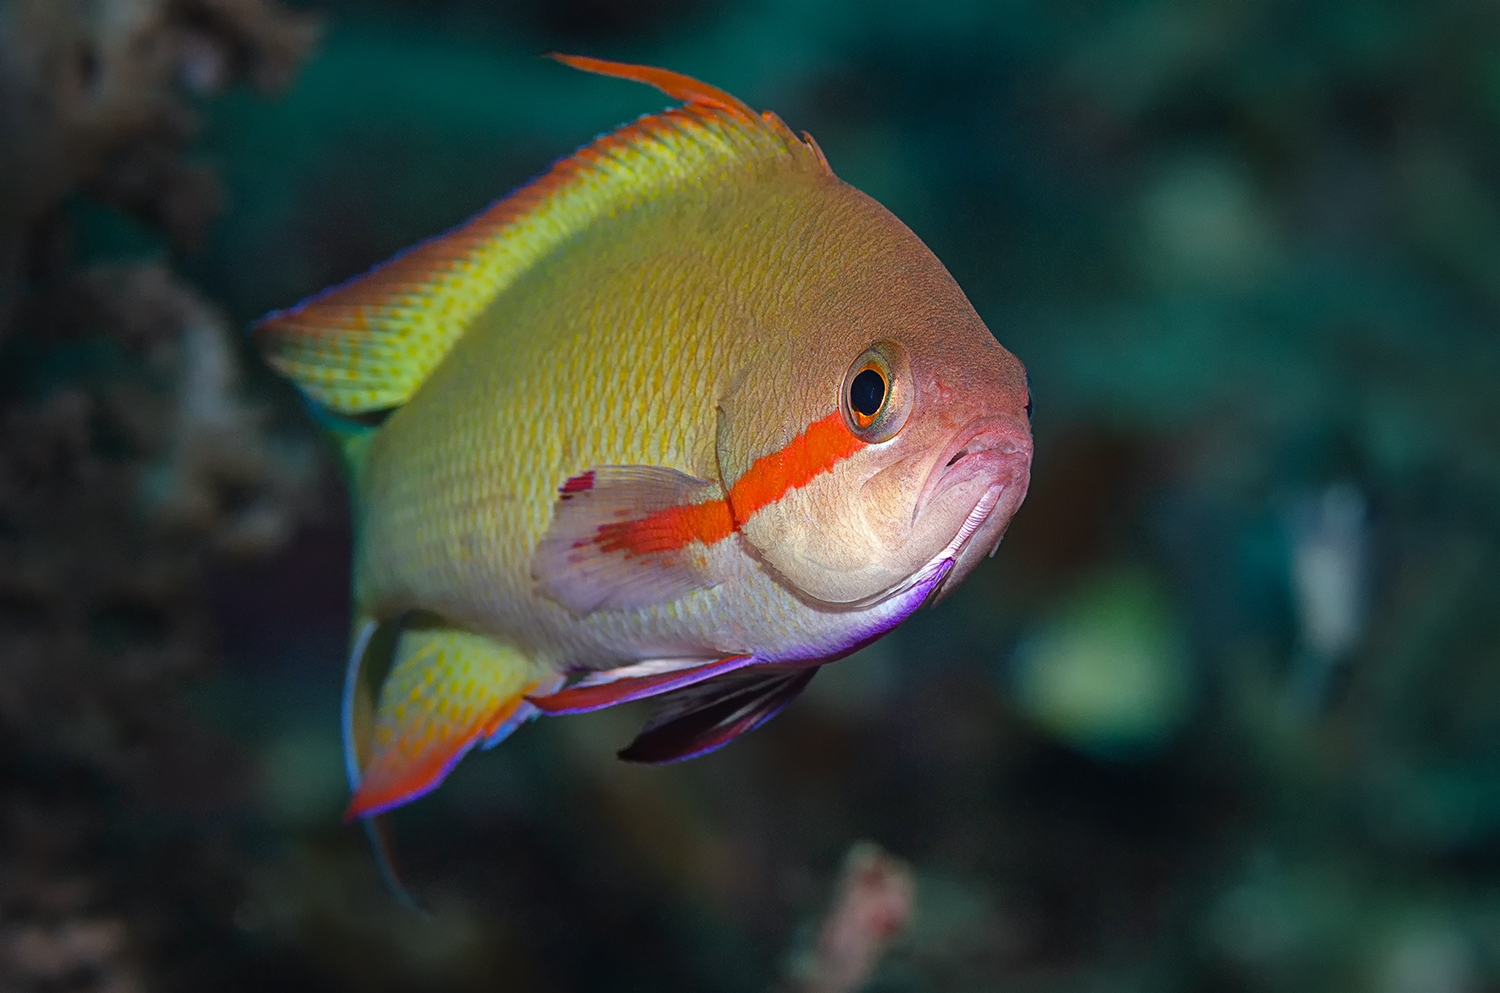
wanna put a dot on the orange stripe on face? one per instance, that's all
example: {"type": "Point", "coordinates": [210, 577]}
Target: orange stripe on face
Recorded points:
{"type": "Point", "coordinates": [817, 450]}
{"type": "Point", "coordinates": [668, 530]}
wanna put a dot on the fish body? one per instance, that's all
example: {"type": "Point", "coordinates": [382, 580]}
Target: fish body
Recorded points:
{"type": "Point", "coordinates": [686, 417]}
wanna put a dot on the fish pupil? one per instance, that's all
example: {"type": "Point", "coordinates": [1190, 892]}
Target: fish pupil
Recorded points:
{"type": "Point", "coordinates": [867, 392]}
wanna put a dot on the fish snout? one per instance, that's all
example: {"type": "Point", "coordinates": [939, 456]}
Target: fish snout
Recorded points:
{"type": "Point", "coordinates": [984, 472]}
{"type": "Point", "coordinates": [994, 450]}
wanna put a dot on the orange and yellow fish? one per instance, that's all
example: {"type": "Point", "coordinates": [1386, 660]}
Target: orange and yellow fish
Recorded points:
{"type": "Point", "coordinates": [687, 417]}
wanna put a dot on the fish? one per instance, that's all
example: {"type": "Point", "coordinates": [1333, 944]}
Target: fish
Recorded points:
{"type": "Point", "coordinates": [685, 418]}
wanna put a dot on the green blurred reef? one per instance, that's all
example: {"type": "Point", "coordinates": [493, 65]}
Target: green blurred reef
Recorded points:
{"type": "Point", "coordinates": [1222, 714]}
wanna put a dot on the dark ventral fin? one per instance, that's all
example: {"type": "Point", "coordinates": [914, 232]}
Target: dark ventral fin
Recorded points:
{"type": "Point", "coordinates": [704, 718]}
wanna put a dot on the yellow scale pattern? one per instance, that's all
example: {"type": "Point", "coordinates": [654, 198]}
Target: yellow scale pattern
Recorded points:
{"type": "Point", "coordinates": [367, 344]}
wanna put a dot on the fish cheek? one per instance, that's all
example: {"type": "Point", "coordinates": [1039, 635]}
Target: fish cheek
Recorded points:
{"type": "Point", "coordinates": [818, 540]}
{"type": "Point", "coordinates": [887, 501]}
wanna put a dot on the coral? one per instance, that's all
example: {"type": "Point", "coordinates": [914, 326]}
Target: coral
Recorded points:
{"type": "Point", "coordinates": [118, 487]}
{"type": "Point", "coordinates": [54, 932]}
{"type": "Point", "coordinates": [1248, 254]}
{"type": "Point", "coordinates": [872, 905]}
{"type": "Point", "coordinates": [93, 96]}
{"type": "Point", "coordinates": [132, 457]}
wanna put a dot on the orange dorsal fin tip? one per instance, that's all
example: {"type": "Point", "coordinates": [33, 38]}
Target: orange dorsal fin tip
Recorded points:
{"type": "Point", "coordinates": [673, 84]}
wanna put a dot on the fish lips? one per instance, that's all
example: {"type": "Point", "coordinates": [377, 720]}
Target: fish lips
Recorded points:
{"type": "Point", "coordinates": [988, 461]}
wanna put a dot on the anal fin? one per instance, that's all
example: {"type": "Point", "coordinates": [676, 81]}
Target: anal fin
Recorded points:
{"type": "Point", "coordinates": [447, 691]}
{"type": "Point", "coordinates": [369, 661]}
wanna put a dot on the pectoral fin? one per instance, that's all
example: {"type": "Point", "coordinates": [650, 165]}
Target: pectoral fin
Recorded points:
{"type": "Point", "coordinates": [447, 691]}
{"type": "Point", "coordinates": [630, 536]}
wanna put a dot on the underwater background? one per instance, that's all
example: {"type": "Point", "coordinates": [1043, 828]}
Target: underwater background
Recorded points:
{"type": "Point", "coordinates": [1222, 714]}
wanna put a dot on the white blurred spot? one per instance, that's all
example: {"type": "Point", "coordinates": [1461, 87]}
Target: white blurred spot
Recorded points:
{"type": "Point", "coordinates": [1329, 568]}
{"type": "Point", "coordinates": [204, 65]}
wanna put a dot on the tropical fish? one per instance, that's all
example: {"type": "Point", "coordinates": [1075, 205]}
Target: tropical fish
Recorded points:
{"type": "Point", "coordinates": [686, 417]}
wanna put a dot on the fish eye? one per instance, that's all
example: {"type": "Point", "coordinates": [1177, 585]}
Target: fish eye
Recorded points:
{"type": "Point", "coordinates": [867, 394]}
{"type": "Point", "coordinates": [877, 392]}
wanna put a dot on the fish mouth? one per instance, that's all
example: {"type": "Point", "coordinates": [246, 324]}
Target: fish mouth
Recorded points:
{"type": "Point", "coordinates": [994, 450]}
{"type": "Point", "coordinates": [986, 465]}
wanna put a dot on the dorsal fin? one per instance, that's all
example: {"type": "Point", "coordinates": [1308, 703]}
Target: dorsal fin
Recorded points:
{"type": "Point", "coordinates": [367, 344]}
{"type": "Point", "coordinates": [673, 84]}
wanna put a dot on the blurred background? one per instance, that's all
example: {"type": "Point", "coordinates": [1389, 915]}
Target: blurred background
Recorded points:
{"type": "Point", "coordinates": [1222, 714]}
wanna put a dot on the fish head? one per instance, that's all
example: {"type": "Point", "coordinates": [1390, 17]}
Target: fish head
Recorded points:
{"type": "Point", "coordinates": [915, 439]}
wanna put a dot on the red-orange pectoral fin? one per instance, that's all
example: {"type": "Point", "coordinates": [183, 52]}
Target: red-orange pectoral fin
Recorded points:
{"type": "Point", "coordinates": [630, 536]}
{"type": "Point", "coordinates": [673, 84]}
{"type": "Point", "coordinates": [448, 690]}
